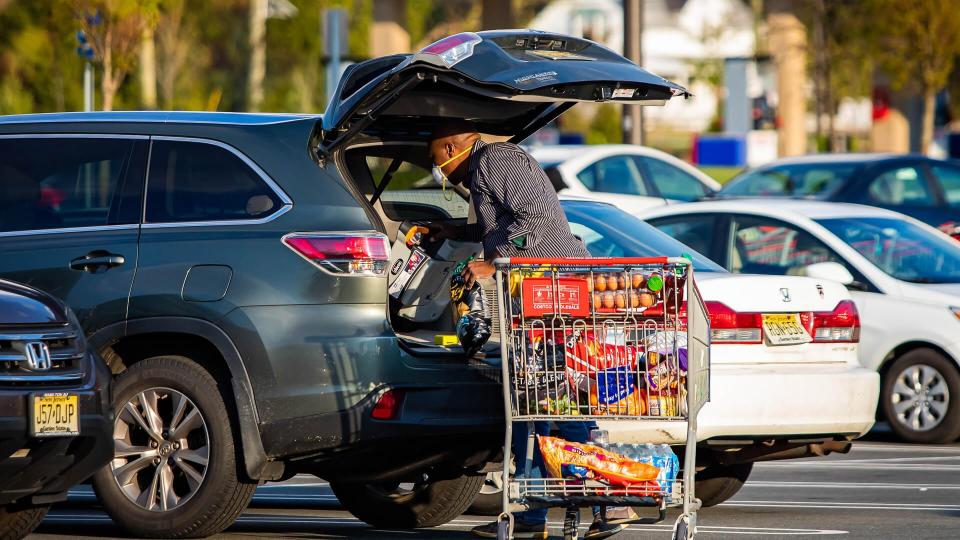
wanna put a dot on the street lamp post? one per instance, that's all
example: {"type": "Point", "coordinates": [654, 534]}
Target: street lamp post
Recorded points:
{"type": "Point", "coordinates": [85, 51]}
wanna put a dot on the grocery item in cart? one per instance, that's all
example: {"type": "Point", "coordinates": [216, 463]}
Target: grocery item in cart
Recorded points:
{"type": "Point", "coordinates": [615, 391]}
{"type": "Point", "coordinates": [660, 456]}
{"type": "Point", "coordinates": [583, 461]}
{"type": "Point", "coordinates": [473, 325]}
{"type": "Point", "coordinates": [537, 363]}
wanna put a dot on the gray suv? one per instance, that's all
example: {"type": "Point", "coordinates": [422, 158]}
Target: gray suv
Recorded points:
{"type": "Point", "coordinates": [233, 271]}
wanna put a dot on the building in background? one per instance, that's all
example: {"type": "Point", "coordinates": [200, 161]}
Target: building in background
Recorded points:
{"type": "Point", "coordinates": [683, 40]}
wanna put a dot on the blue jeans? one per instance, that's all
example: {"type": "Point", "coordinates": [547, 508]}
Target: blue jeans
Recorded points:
{"type": "Point", "coordinates": [570, 431]}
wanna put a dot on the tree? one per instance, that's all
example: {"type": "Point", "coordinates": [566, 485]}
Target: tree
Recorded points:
{"type": "Point", "coordinates": [115, 28]}
{"type": "Point", "coordinates": [919, 41]}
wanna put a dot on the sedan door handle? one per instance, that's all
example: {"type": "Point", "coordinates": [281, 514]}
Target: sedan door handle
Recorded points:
{"type": "Point", "coordinates": [97, 261]}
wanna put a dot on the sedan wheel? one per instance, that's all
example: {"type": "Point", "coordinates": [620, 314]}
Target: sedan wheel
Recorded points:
{"type": "Point", "coordinates": [161, 448]}
{"type": "Point", "coordinates": [921, 397]}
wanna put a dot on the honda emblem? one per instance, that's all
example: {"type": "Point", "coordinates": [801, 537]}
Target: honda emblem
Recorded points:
{"type": "Point", "coordinates": [785, 294]}
{"type": "Point", "coordinates": [38, 356]}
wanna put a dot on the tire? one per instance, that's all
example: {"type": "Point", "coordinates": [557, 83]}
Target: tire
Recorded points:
{"type": "Point", "coordinates": [17, 522]}
{"type": "Point", "coordinates": [717, 483]}
{"type": "Point", "coordinates": [937, 422]}
{"type": "Point", "coordinates": [425, 505]}
{"type": "Point", "coordinates": [489, 501]}
{"type": "Point", "coordinates": [205, 501]}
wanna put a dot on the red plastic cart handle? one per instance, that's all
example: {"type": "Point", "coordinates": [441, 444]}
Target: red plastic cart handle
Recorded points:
{"type": "Point", "coordinates": [589, 261]}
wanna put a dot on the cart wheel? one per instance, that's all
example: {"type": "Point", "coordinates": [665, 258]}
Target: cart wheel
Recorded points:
{"type": "Point", "coordinates": [571, 523]}
{"type": "Point", "coordinates": [681, 529]}
{"type": "Point", "coordinates": [505, 526]}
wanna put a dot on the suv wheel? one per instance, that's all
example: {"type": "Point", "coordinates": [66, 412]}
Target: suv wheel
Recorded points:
{"type": "Point", "coordinates": [489, 501]}
{"type": "Point", "coordinates": [17, 522]}
{"type": "Point", "coordinates": [408, 506]}
{"type": "Point", "coordinates": [717, 483]}
{"type": "Point", "coordinates": [175, 467]}
{"type": "Point", "coordinates": [921, 398]}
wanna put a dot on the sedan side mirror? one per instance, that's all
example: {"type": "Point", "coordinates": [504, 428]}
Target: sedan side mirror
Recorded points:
{"type": "Point", "coordinates": [829, 271]}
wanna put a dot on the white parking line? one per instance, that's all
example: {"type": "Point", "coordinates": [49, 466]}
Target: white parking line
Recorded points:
{"type": "Point", "coordinates": [856, 485]}
{"type": "Point", "coordinates": [843, 505]}
{"type": "Point", "coordinates": [859, 466]}
{"type": "Point", "coordinates": [881, 447]}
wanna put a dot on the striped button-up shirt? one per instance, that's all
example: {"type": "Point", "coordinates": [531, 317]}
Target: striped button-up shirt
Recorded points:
{"type": "Point", "coordinates": [518, 213]}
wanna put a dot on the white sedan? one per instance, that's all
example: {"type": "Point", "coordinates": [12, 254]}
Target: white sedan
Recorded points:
{"type": "Point", "coordinates": [903, 274]}
{"type": "Point", "coordinates": [631, 177]}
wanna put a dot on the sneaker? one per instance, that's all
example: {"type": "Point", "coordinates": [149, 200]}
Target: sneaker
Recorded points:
{"type": "Point", "coordinates": [520, 530]}
{"type": "Point", "coordinates": [601, 529]}
{"type": "Point", "coordinates": [622, 515]}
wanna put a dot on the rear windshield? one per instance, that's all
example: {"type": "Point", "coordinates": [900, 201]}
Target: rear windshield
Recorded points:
{"type": "Point", "coordinates": [813, 180]}
{"type": "Point", "coordinates": [608, 231]}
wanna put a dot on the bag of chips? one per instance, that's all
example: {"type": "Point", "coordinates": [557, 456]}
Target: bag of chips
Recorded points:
{"type": "Point", "coordinates": [565, 459]}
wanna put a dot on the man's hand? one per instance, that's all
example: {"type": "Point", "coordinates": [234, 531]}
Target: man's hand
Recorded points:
{"type": "Point", "coordinates": [477, 270]}
{"type": "Point", "coordinates": [440, 230]}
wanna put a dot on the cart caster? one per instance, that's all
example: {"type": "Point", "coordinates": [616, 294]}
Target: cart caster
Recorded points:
{"type": "Point", "coordinates": [682, 529]}
{"type": "Point", "coordinates": [571, 524]}
{"type": "Point", "coordinates": [505, 526]}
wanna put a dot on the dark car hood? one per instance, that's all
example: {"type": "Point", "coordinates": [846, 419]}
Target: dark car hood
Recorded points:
{"type": "Point", "coordinates": [20, 304]}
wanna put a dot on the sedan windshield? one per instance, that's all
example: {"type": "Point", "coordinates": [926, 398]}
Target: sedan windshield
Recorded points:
{"type": "Point", "coordinates": [813, 180]}
{"type": "Point", "coordinates": [610, 232]}
{"type": "Point", "coordinates": [900, 248]}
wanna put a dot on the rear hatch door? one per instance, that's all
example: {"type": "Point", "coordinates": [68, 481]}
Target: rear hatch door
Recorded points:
{"type": "Point", "coordinates": [507, 82]}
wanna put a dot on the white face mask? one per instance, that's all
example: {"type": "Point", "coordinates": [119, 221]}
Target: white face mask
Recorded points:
{"type": "Point", "coordinates": [437, 171]}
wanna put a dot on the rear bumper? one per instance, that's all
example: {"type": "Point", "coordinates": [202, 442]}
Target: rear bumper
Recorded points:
{"type": "Point", "coordinates": [442, 430]}
{"type": "Point", "coordinates": [40, 471]}
{"type": "Point", "coordinates": [772, 402]}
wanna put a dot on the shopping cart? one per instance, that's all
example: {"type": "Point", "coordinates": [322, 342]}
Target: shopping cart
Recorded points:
{"type": "Point", "coordinates": [601, 339]}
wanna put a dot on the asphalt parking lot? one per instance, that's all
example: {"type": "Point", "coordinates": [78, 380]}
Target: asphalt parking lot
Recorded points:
{"type": "Point", "coordinates": [881, 489]}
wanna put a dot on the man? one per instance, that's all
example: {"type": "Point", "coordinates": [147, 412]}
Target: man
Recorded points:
{"type": "Point", "coordinates": [518, 214]}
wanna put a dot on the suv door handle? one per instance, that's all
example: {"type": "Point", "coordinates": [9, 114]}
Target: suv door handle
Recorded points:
{"type": "Point", "coordinates": [97, 261]}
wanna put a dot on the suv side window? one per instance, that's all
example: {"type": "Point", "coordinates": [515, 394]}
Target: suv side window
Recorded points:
{"type": "Point", "coordinates": [193, 181]}
{"type": "Point", "coordinates": [615, 174]}
{"type": "Point", "coordinates": [54, 183]}
{"type": "Point", "coordinates": [949, 178]}
{"type": "Point", "coordinates": [672, 182]}
{"type": "Point", "coordinates": [900, 186]}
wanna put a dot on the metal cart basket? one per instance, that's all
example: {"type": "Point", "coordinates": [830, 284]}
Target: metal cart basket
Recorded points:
{"type": "Point", "coordinates": [623, 339]}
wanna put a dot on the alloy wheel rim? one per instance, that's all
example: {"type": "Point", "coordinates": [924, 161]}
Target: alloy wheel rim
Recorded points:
{"type": "Point", "coordinates": [920, 397]}
{"type": "Point", "coordinates": [161, 449]}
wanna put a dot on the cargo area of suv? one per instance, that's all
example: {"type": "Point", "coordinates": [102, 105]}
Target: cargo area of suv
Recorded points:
{"type": "Point", "coordinates": [508, 84]}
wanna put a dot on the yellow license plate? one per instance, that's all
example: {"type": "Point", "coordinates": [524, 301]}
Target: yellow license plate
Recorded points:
{"type": "Point", "coordinates": [55, 414]}
{"type": "Point", "coordinates": [784, 329]}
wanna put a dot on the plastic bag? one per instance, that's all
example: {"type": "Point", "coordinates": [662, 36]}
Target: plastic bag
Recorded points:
{"type": "Point", "coordinates": [565, 459]}
{"type": "Point", "coordinates": [473, 325]}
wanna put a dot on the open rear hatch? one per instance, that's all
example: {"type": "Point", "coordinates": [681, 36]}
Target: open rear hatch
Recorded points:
{"type": "Point", "coordinates": [509, 83]}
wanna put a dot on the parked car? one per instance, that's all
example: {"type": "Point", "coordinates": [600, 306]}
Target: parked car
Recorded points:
{"type": "Point", "coordinates": [903, 275]}
{"type": "Point", "coordinates": [768, 399]}
{"type": "Point", "coordinates": [233, 269]}
{"type": "Point", "coordinates": [632, 177]}
{"type": "Point", "coordinates": [56, 420]}
{"type": "Point", "coordinates": [924, 188]}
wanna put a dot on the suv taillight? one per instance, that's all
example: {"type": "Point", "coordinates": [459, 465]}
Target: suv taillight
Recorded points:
{"type": "Point", "coordinates": [450, 50]}
{"type": "Point", "coordinates": [729, 326]}
{"type": "Point", "coordinates": [842, 325]}
{"type": "Point", "coordinates": [357, 254]}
